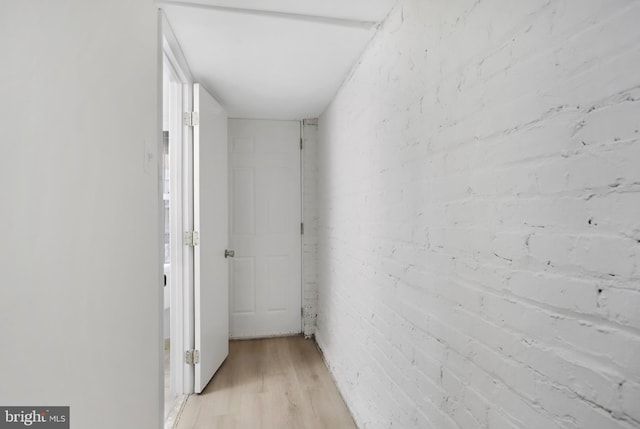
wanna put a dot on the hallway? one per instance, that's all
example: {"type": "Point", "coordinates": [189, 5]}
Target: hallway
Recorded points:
{"type": "Point", "coordinates": [269, 383]}
{"type": "Point", "coordinates": [470, 200]}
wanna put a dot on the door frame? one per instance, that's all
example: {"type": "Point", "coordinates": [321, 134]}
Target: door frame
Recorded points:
{"type": "Point", "coordinates": [181, 219]}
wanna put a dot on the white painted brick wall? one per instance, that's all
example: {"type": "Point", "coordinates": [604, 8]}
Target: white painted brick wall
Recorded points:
{"type": "Point", "coordinates": [478, 204]}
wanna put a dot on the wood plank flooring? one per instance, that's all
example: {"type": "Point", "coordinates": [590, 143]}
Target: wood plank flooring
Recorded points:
{"type": "Point", "coordinates": [273, 383]}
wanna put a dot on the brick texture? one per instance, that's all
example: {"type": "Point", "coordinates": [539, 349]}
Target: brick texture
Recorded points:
{"type": "Point", "coordinates": [478, 218]}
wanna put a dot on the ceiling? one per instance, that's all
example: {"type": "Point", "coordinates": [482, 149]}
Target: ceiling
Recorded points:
{"type": "Point", "coordinates": [273, 59]}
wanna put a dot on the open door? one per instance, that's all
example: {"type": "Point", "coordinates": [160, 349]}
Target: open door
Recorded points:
{"type": "Point", "coordinates": [211, 285]}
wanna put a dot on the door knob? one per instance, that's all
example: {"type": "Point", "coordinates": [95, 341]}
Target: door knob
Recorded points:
{"type": "Point", "coordinates": [229, 253]}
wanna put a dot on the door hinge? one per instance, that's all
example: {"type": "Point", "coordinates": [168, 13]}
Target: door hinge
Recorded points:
{"type": "Point", "coordinates": [191, 238]}
{"type": "Point", "coordinates": [192, 357]}
{"type": "Point", "coordinates": [301, 228]}
{"type": "Point", "coordinates": [300, 143]}
{"type": "Point", "coordinates": [190, 119]}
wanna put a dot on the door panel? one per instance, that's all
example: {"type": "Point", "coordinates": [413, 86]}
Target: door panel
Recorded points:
{"type": "Point", "coordinates": [265, 228]}
{"type": "Point", "coordinates": [277, 270]}
{"type": "Point", "coordinates": [212, 223]}
{"type": "Point", "coordinates": [243, 206]}
{"type": "Point", "coordinates": [244, 296]}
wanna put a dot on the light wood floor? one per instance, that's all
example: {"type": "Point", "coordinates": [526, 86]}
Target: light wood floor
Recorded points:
{"type": "Point", "coordinates": [279, 383]}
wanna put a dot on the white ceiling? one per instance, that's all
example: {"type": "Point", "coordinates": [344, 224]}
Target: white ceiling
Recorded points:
{"type": "Point", "coordinates": [273, 59]}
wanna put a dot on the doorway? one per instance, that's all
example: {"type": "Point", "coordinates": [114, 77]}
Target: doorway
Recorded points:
{"type": "Point", "coordinates": [172, 143]}
{"type": "Point", "coordinates": [265, 228]}
{"type": "Point", "coordinates": [197, 223]}
{"type": "Point", "coordinates": [178, 217]}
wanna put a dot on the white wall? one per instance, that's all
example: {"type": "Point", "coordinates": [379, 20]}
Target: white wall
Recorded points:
{"type": "Point", "coordinates": [310, 220]}
{"type": "Point", "coordinates": [479, 208]}
{"type": "Point", "coordinates": [80, 295]}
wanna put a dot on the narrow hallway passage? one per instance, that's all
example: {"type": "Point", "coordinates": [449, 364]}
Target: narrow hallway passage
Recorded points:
{"type": "Point", "coordinates": [269, 383]}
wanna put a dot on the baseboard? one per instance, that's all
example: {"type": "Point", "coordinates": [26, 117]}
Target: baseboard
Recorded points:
{"type": "Point", "coordinates": [264, 337]}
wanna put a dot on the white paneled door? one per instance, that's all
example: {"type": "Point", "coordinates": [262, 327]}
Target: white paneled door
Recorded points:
{"type": "Point", "coordinates": [211, 222]}
{"type": "Point", "coordinates": [265, 229]}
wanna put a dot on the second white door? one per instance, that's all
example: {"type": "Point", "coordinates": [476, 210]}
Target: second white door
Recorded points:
{"type": "Point", "coordinates": [265, 228]}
